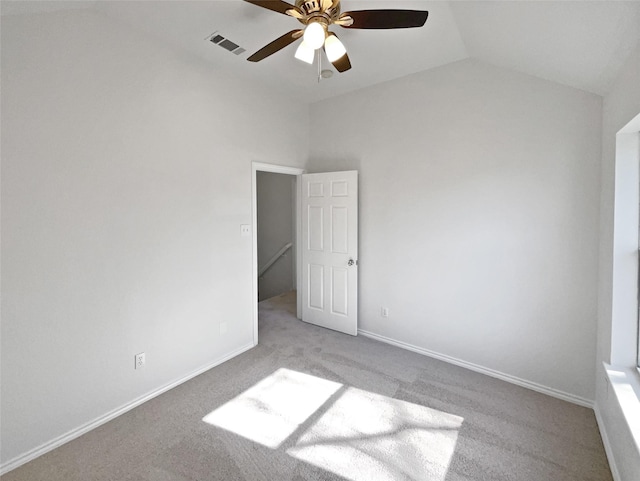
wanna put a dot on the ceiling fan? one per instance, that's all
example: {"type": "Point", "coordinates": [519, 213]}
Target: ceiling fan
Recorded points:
{"type": "Point", "coordinates": [318, 16]}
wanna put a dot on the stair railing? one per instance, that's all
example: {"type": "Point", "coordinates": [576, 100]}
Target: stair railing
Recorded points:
{"type": "Point", "coordinates": [274, 259]}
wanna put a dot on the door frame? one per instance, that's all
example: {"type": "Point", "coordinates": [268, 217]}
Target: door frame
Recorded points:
{"type": "Point", "coordinates": [276, 169]}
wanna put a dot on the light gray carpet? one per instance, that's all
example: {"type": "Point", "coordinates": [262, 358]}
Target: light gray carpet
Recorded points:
{"type": "Point", "coordinates": [312, 404]}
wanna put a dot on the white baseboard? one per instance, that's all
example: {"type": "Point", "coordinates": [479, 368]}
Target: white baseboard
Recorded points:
{"type": "Point", "coordinates": [607, 445]}
{"type": "Point", "coordinates": [79, 431]}
{"type": "Point", "coordinates": [572, 398]}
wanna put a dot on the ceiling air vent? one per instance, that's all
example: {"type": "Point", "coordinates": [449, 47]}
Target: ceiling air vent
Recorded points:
{"type": "Point", "coordinates": [225, 43]}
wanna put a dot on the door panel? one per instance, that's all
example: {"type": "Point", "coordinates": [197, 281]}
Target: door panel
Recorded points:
{"type": "Point", "coordinates": [339, 291]}
{"type": "Point", "coordinates": [339, 230]}
{"type": "Point", "coordinates": [330, 241]}
{"type": "Point", "coordinates": [315, 230]}
{"type": "Point", "coordinates": [316, 287]}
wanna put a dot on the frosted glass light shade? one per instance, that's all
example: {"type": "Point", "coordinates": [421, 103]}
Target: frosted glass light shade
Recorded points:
{"type": "Point", "coordinates": [305, 53]}
{"type": "Point", "coordinates": [334, 48]}
{"type": "Point", "coordinates": [314, 35]}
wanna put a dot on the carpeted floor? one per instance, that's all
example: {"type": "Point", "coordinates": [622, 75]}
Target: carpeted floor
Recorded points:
{"type": "Point", "coordinates": [311, 404]}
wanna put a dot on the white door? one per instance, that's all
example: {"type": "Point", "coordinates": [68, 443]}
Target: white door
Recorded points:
{"type": "Point", "coordinates": [330, 250]}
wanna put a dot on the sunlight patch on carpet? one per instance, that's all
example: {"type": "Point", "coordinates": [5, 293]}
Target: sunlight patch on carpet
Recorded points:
{"type": "Point", "coordinates": [365, 436]}
{"type": "Point", "coordinates": [361, 436]}
{"type": "Point", "coordinates": [271, 410]}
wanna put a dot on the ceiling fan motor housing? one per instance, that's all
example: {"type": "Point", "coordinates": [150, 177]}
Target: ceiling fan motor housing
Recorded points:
{"type": "Point", "coordinates": [314, 8]}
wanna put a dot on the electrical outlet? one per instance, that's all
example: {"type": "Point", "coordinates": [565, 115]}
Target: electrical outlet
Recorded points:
{"type": "Point", "coordinates": [140, 360]}
{"type": "Point", "coordinates": [245, 230]}
{"type": "Point", "coordinates": [384, 311]}
{"type": "Point", "coordinates": [223, 328]}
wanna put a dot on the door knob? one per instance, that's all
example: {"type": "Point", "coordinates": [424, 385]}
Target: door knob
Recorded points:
{"type": "Point", "coordinates": [352, 263]}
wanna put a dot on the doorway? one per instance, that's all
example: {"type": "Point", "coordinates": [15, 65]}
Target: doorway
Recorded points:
{"type": "Point", "coordinates": [325, 258]}
{"type": "Point", "coordinates": [276, 229]}
{"type": "Point", "coordinates": [276, 234]}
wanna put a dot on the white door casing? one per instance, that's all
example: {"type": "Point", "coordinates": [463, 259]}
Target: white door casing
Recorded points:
{"type": "Point", "coordinates": [277, 169]}
{"type": "Point", "coordinates": [329, 247]}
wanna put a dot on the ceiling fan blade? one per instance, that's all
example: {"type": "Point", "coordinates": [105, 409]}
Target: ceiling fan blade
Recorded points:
{"type": "Point", "coordinates": [277, 44]}
{"type": "Point", "coordinates": [274, 5]}
{"type": "Point", "coordinates": [384, 19]}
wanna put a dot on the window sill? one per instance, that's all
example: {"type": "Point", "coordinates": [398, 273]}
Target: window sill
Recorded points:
{"type": "Point", "coordinates": [625, 383]}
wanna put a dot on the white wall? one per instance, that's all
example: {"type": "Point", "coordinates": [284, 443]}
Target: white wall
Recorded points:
{"type": "Point", "coordinates": [620, 106]}
{"type": "Point", "coordinates": [126, 173]}
{"type": "Point", "coordinates": [478, 217]}
{"type": "Point", "coordinates": [275, 196]}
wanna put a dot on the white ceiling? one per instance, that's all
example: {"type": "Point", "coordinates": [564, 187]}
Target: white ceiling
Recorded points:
{"type": "Point", "coordinates": [582, 44]}
{"type": "Point", "coordinates": [578, 43]}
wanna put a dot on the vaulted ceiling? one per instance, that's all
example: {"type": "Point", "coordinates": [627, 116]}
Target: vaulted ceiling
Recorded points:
{"type": "Point", "coordinates": [581, 44]}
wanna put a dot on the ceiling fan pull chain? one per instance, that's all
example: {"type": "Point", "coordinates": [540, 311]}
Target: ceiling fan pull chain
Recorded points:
{"type": "Point", "coordinates": [319, 65]}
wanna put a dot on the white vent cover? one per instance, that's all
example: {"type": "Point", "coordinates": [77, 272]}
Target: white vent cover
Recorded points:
{"type": "Point", "coordinates": [225, 43]}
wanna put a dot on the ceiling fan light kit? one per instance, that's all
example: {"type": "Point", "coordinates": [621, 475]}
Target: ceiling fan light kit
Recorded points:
{"type": "Point", "coordinates": [318, 16]}
{"type": "Point", "coordinates": [305, 53]}
{"type": "Point", "coordinates": [334, 48]}
{"type": "Point", "coordinates": [314, 35]}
